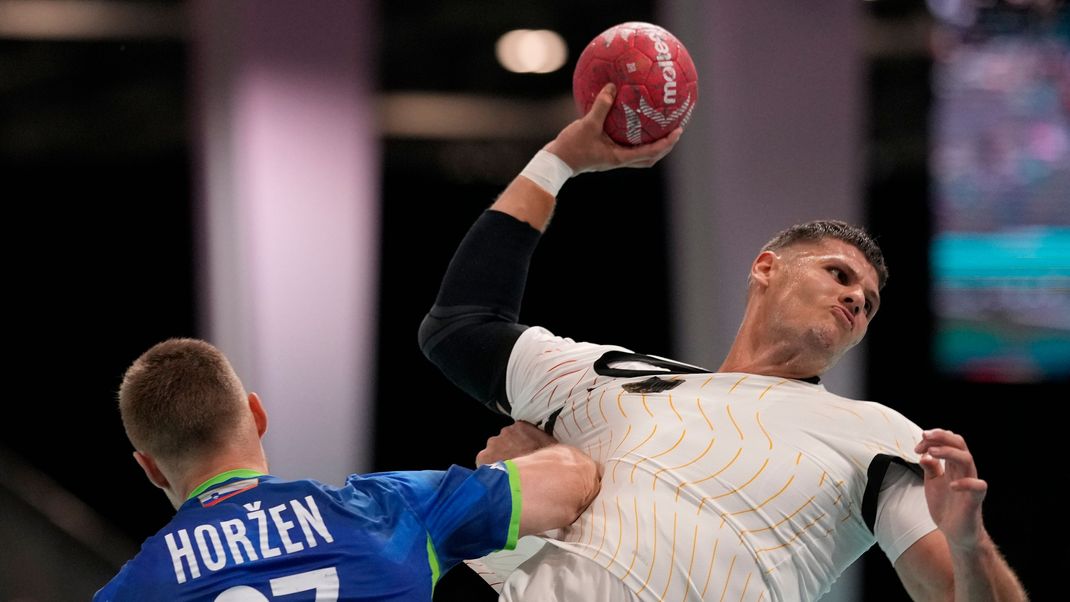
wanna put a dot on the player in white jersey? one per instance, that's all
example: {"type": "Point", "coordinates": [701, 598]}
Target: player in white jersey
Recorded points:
{"type": "Point", "coordinates": [768, 474]}
{"type": "Point", "coordinates": [749, 483]}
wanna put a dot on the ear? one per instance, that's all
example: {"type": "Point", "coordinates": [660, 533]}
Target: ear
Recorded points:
{"type": "Point", "coordinates": [259, 414]}
{"type": "Point", "coordinates": [152, 471]}
{"type": "Point", "coordinates": [763, 267]}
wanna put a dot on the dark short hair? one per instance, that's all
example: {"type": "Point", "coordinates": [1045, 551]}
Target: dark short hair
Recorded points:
{"type": "Point", "coordinates": [181, 399]}
{"type": "Point", "coordinates": [819, 230]}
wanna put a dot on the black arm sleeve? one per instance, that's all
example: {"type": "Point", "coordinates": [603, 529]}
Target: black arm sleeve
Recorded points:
{"type": "Point", "coordinates": [472, 327]}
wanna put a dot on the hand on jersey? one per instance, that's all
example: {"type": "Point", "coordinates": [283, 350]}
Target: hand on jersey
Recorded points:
{"type": "Point", "coordinates": [517, 439]}
{"type": "Point", "coordinates": [952, 489]}
{"type": "Point", "coordinates": [584, 146]}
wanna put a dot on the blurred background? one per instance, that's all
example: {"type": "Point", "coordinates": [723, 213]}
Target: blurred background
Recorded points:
{"type": "Point", "coordinates": [289, 181]}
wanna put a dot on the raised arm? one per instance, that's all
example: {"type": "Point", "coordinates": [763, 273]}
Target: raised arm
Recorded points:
{"type": "Point", "coordinates": [472, 326]}
{"type": "Point", "coordinates": [959, 561]}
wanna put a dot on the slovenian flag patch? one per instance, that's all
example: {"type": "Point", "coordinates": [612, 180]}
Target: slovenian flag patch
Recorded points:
{"type": "Point", "coordinates": [213, 497]}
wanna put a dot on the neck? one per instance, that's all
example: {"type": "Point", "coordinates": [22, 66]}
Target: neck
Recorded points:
{"type": "Point", "coordinates": [185, 484]}
{"type": "Point", "coordinates": [189, 486]}
{"type": "Point", "coordinates": [769, 363]}
{"type": "Point", "coordinates": [770, 355]}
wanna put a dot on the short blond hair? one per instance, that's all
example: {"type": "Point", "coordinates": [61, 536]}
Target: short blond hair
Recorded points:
{"type": "Point", "coordinates": [180, 400]}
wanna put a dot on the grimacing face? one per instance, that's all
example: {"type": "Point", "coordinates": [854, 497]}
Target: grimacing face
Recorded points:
{"type": "Point", "coordinates": [825, 293]}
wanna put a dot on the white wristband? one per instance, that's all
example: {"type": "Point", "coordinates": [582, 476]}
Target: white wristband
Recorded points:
{"type": "Point", "coordinates": [548, 171]}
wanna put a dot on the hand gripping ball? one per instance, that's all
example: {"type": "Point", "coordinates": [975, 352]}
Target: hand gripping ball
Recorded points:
{"type": "Point", "coordinates": [657, 85]}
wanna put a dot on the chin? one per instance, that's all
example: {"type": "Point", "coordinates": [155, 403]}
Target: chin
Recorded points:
{"type": "Point", "coordinates": [822, 339]}
{"type": "Point", "coordinates": [824, 349]}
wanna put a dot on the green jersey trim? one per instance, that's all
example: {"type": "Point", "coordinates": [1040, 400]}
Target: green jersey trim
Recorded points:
{"type": "Point", "coordinates": [226, 476]}
{"type": "Point", "coordinates": [514, 519]}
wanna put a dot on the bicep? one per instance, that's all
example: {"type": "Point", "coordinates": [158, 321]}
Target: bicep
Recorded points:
{"type": "Point", "coordinates": [902, 511]}
{"type": "Point", "coordinates": [925, 569]}
{"type": "Point", "coordinates": [466, 513]}
{"type": "Point", "coordinates": [910, 539]}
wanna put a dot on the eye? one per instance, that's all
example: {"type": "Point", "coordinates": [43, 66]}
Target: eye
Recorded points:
{"type": "Point", "coordinates": [838, 274]}
{"type": "Point", "coordinates": [868, 308]}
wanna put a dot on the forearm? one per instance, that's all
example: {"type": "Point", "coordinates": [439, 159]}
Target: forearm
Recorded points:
{"type": "Point", "coordinates": [954, 494]}
{"type": "Point", "coordinates": [557, 483]}
{"type": "Point", "coordinates": [981, 573]}
{"type": "Point", "coordinates": [528, 202]}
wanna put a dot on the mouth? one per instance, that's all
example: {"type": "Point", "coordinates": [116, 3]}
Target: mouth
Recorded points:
{"type": "Point", "coordinates": [844, 315]}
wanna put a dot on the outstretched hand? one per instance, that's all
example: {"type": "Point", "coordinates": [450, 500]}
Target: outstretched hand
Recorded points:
{"type": "Point", "coordinates": [952, 489]}
{"type": "Point", "coordinates": [517, 439]}
{"type": "Point", "coordinates": [584, 146]}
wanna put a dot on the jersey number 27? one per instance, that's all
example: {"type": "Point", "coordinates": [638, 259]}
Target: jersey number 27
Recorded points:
{"type": "Point", "coordinates": [323, 581]}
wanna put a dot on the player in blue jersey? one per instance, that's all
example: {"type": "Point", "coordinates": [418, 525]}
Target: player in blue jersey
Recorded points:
{"type": "Point", "coordinates": [241, 534]}
{"type": "Point", "coordinates": [752, 482]}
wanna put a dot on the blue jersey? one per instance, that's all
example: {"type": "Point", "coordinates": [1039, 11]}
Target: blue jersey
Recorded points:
{"type": "Point", "coordinates": [384, 536]}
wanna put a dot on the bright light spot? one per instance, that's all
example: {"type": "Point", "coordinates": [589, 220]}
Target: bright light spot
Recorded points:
{"type": "Point", "coordinates": [531, 51]}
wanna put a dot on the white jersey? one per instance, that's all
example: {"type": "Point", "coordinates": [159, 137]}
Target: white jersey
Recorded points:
{"type": "Point", "coordinates": [717, 486]}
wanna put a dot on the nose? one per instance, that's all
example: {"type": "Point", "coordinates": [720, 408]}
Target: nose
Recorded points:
{"type": "Point", "coordinates": [853, 299]}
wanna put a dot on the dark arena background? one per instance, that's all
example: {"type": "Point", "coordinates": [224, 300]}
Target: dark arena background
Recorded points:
{"type": "Point", "coordinates": [134, 147]}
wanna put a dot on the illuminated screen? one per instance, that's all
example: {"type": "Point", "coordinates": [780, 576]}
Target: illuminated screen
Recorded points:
{"type": "Point", "coordinates": [1001, 172]}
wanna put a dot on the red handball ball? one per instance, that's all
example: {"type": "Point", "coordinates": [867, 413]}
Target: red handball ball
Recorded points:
{"type": "Point", "coordinates": [657, 85]}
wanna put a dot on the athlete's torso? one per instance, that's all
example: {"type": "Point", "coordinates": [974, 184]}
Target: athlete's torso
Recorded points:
{"type": "Point", "coordinates": [715, 485]}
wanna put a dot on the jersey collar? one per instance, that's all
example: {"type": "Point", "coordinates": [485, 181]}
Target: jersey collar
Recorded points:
{"type": "Point", "coordinates": [240, 473]}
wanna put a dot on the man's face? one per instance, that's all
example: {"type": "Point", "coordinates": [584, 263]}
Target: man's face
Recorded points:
{"type": "Point", "coordinates": [825, 293]}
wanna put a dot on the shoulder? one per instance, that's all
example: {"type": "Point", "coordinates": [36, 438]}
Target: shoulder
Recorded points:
{"type": "Point", "coordinates": [110, 591]}
{"type": "Point", "coordinates": [537, 339]}
{"type": "Point", "coordinates": [542, 362]}
{"type": "Point", "coordinates": [879, 414]}
{"type": "Point", "coordinates": [904, 431]}
{"type": "Point", "coordinates": [135, 576]}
